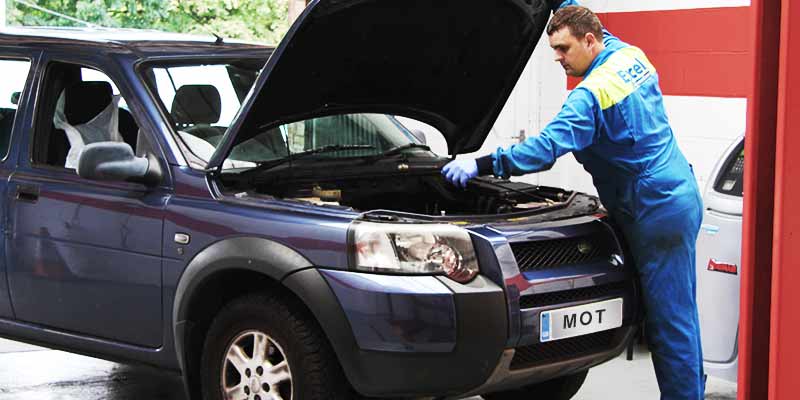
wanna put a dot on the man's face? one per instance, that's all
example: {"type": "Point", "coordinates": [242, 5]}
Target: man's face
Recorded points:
{"type": "Point", "coordinates": [574, 54]}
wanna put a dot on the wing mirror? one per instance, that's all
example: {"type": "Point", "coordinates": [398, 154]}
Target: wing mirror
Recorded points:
{"type": "Point", "coordinates": [115, 161]}
{"type": "Point", "coordinates": [15, 98]}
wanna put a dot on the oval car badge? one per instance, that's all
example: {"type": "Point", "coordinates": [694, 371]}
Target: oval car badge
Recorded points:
{"type": "Point", "coordinates": [584, 247]}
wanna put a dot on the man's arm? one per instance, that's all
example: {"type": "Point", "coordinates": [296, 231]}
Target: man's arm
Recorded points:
{"type": "Point", "coordinates": [609, 40]}
{"type": "Point", "coordinates": [573, 129]}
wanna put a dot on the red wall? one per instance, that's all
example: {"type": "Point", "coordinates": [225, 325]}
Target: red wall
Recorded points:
{"type": "Point", "coordinates": [699, 52]}
{"type": "Point", "coordinates": [784, 366]}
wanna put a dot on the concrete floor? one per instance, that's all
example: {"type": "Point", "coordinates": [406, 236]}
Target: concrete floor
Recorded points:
{"type": "Point", "coordinates": [33, 373]}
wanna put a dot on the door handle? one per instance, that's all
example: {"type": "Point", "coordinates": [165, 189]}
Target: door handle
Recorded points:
{"type": "Point", "coordinates": [28, 193]}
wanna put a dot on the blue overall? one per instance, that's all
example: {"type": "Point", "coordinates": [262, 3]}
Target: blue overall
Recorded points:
{"type": "Point", "coordinates": [615, 124]}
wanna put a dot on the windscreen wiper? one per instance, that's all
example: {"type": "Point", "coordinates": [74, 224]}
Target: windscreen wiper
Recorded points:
{"type": "Point", "coordinates": [264, 166]}
{"type": "Point", "coordinates": [396, 150]}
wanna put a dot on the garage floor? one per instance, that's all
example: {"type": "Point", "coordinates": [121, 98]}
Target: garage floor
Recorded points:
{"type": "Point", "coordinates": [34, 373]}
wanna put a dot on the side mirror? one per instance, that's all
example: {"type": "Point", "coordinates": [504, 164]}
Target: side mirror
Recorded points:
{"type": "Point", "coordinates": [15, 98]}
{"type": "Point", "coordinates": [115, 161]}
{"type": "Point", "coordinates": [420, 135]}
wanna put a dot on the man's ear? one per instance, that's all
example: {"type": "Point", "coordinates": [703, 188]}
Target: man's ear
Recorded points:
{"type": "Point", "coordinates": [590, 39]}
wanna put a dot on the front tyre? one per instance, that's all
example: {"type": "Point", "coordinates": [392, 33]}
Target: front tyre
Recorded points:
{"type": "Point", "coordinates": [562, 388]}
{"type": "Point", "coordinates": [263, 347]}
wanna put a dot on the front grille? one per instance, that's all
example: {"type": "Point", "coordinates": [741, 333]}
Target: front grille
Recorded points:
{"type": "Point", "coordinates": [548, 254]}
{"type": "Point", "coordinates": [569, 296]}
{"type": "Point", "coordinates": [564, 349]}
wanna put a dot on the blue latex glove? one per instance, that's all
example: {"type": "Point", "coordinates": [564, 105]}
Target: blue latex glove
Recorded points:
{"type": "Point", "coordinates": [458, 172]}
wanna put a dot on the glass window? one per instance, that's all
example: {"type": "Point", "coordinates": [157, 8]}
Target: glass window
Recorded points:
{"type": "Point", "coordinates": [361, 134]}
{"type": "Point", "coordinates": [203, 99]}
{"type": "Point", "coordinates": [731, 178]}
{"type": "Point", "coordinates": [93, 75]}
{"type": "Point", "coordinates": [80, 106]}
{"type": "Point", "coordinates": [15, 74]}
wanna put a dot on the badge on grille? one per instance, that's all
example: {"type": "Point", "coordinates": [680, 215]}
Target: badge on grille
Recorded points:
{"type": "Point", "coordinates": [584, 247]}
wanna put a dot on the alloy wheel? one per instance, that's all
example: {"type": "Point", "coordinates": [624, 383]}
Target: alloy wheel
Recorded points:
{"type": "Point", "coordinates": [255, 367]}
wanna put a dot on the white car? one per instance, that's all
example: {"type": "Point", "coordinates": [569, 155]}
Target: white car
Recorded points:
{"type": "Point", "coordinates": [719, 248]}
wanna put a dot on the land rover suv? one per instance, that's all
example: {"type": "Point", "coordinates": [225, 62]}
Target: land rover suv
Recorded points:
{"type": "Point", "coordinates": [260, 221]}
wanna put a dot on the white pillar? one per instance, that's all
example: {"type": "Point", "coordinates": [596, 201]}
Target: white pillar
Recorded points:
{"type": "Point", "coordinates": [2, 13]}
{"type": "Point", "coordinates": [295, 9]}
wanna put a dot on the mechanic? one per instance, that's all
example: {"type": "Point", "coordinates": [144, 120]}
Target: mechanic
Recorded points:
{"type": "Point", "coordinates": [615, 124]}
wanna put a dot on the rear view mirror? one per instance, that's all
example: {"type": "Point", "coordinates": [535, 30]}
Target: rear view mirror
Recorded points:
{"type": "Point", "coordinates": [115, 161]}
{"type": "Point", "coordinates": [15, 98]}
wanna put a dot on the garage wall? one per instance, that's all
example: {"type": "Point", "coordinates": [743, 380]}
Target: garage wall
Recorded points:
{"type": "Point", "coordinates": [699, 48]}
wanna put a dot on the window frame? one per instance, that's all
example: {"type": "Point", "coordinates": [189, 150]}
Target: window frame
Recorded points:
{"type": "Point", "coordinates": [25, 93]}
{"type": "Point", "coordinates": [113, 69]}
{"type": "Point", "coordinates": [191, 160]}
{"type": "Point", "coordinates": [43, 88]}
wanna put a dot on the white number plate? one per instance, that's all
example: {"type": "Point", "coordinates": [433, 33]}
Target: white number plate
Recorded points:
{"type": "Point", "coordinates": [580, 320]}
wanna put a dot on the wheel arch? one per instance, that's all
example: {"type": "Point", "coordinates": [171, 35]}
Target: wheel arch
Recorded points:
{"type": "Point", "coordinates": [207, 284]}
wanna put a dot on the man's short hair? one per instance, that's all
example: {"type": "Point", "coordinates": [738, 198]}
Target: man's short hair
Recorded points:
{"type": "Point", "coordinates": [579, 20]}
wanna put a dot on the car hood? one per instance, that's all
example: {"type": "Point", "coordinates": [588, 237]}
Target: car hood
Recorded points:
{"type": "Point", "coordinates": [449, 63]}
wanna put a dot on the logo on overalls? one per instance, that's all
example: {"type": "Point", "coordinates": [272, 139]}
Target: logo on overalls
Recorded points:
{"type": "Point", "coordinates": [636, 74]}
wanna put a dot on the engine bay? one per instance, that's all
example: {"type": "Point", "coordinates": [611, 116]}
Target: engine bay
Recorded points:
{"type": "Point", "coordinates": [408, 189]}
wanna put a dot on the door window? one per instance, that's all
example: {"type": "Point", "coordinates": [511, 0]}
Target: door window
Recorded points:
{"type": "Point", "coordinates": [81, 105]}
{"type": "Point", "coordinates": [15, 74]}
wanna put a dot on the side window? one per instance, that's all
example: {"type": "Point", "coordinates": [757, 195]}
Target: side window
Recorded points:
{"type": "Point", "coordinates": [15, 74]}
{"type": "Point", "coordinates": [82, 105]}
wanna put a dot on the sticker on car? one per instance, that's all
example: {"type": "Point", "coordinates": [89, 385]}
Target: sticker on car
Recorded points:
{"type": "Point", "coordinates": [580, 320]}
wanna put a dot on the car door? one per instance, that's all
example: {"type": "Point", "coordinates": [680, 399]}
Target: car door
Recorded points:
{"type": "Point", "coordinates": [719, 257]}
{"type": "Point", "coordinates": [84, 256]}
{"type": "Point", "coordinates": [16, 66]}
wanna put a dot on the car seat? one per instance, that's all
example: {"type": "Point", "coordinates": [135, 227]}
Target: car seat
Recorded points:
{"type": "Point", "coordinates": [195, 108]}
{"type": "Point", "coordinates": [87, 112]}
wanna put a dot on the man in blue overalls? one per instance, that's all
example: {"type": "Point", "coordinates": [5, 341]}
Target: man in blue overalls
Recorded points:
{"type": "Point", "coordinates": [615, 124]}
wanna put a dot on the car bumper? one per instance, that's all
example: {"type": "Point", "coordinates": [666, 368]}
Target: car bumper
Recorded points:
{"type": "Point", "coordinates": [399, 336]}
{"type": "Point", "coordinates": [397, 362]}
{"type": "Point", "coordinates": [428, 336]}
{"type": "Point", "coordinates": [506, 377]}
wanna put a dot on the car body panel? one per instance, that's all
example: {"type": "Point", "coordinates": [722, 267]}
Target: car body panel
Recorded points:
{"type": "Point", "coordinates": [719, 248]}
{"type": "Point", "coordinates": [376, 68]}
{"type": "Point", "coordinates": [23, 117]}
{"type": "Point", "coordinates": [86, 257]}
{"type": "Point", "coordinates": [396, 313]}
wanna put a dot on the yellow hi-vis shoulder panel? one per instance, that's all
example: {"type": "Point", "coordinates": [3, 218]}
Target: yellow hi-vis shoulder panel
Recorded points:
{"type": "Point", "coordinates": [619, 76]}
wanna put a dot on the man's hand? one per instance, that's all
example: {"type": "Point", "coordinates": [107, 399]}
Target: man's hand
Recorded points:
{"type": "Point", "coordinates": [458, 172]}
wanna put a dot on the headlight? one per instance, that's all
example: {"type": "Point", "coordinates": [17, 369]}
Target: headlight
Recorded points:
{"type": "Point", "coordinates": [414, 249]}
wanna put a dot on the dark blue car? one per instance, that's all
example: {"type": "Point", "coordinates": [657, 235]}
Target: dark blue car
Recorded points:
{"type": "Point", "coordinates": [274, 232]}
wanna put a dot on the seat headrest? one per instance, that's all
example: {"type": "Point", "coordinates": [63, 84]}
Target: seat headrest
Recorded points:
{"type": "Point", "coordinates": [84, 100]}
{"type": "Point", "coordinates": [196, 104]}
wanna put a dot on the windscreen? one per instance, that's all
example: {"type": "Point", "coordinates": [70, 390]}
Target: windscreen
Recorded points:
{"type": "Point", "coordinates": [340, 136]}
{"type": "Point", "coordinates": [202, 100]}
